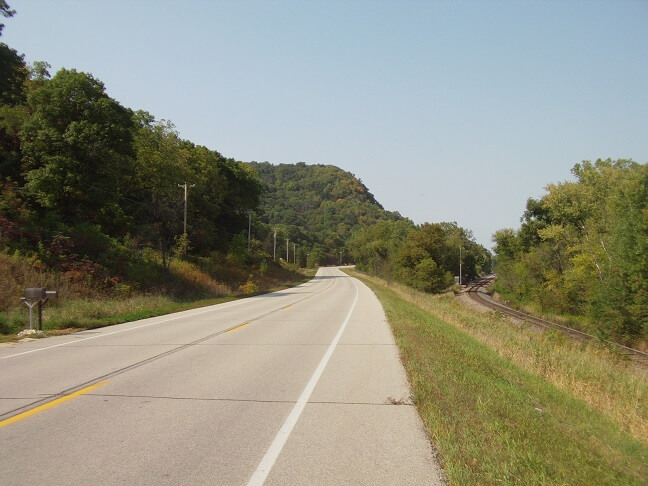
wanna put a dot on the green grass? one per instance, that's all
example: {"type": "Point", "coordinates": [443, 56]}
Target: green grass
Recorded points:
{"type": "Point", "coordinates": [496, 423]}
{"type": "Point", "coordinates": [83, 313]}
{"type": "Point", "coordinates": [90, 314]}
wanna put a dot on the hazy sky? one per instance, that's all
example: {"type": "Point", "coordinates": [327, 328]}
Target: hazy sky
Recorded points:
{"type": "Point", "coordinates": [448, 111]}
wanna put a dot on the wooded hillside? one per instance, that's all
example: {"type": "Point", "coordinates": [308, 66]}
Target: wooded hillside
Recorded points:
{"type": "Point", "coordinates": [317, 207]}
{"type": "Point", "coordinates": [90, 189]}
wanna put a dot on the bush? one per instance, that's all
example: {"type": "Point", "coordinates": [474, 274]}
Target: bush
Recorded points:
{"type": "Point", "coordinates": [249, 287]}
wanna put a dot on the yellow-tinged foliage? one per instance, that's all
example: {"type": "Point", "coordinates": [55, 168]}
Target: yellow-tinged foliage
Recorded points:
{"type": "Point", "coordinates": [583, 250]}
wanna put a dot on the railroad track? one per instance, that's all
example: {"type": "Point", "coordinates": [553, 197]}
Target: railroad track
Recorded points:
{"type": "Point", "coordinates": [475, 291]}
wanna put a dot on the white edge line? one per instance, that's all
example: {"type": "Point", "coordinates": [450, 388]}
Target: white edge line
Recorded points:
{"type": "Point", "coordinates": [209, 309]}
{"type": "Point", "coordinates": [268, 460]}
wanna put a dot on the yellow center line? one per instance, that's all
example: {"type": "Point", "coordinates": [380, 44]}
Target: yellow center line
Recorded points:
{"type": "Point", "coordinates": [51, 404]}
{"type": "Point", "coordinates": [239, 327]}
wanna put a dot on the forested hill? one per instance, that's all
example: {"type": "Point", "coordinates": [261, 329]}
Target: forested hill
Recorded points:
{"type": "Point", "coordinates": [316, 206]}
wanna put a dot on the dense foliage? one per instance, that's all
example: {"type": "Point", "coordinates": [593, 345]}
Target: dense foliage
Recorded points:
{"type": "Point", "coordinates": [87, 186]}
{"type": "Point", "coordinates": [425, 257]}
{"type": "Point", "coordinates": [582, 249]}
{"type": "Point", "coordinates": [91, 188]}
{"type": "Point", "coordinates": [316, 207]}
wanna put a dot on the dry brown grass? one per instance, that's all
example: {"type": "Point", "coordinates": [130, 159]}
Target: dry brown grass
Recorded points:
{"type": "Point", "coordinates": [198, 278]}
{"type": "Point", "coordinates": [17, 273]}
{"type": "Point", "coordinates": [79, 306]}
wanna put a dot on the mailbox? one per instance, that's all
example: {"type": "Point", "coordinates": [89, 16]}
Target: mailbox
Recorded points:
{"type": "Point", "coordinates": [35, 293]}
{"type": "Point", "coordinates": [37, 296]}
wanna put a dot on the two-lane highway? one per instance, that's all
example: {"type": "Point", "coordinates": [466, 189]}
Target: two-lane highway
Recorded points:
{"type": "Point", "coordinates": [302, 386]}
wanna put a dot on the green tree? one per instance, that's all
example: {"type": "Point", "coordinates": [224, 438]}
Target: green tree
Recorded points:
{"type": "Point", "coordinates": [13, 71]}
{"type": "Point", "coordinates": [374, 248]}
{"type": "Point", "coordinates": [157, 207]}
{"type": "Point", "coordinates": [77, 151]}
{"type": "Point", "coordinates": [223, 193]}
{"type": "Point", "coordinates": [5, 11]}
{"type": "Point", "coordinates": [424, 257]}
{"type": "Point", "coordinates": [13, 76]}
{"type": "Point", "coordinates": [13, 79]}
{"type": "Point", "coordinates": [316, 257]}
{"type": "Point", "coordinates": [581, 249]}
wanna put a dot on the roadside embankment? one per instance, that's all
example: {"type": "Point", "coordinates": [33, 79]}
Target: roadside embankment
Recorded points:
{"type": "Point", "coordinates": [82, 304]}
{"type": "Point", "coordinates": [504, 404]}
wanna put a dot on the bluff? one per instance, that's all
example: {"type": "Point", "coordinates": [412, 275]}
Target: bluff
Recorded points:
{"type": "Point", "coordinates": [317, 207]}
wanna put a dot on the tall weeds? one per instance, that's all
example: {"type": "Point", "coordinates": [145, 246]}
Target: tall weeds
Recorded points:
{"type": "Point", "coordinates": [17, 273]}
{"type": "Point", "coordinates": [83, 304]}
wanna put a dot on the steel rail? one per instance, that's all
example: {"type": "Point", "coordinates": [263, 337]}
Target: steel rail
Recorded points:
{"type": "Point", "coordinates": [473, 292]}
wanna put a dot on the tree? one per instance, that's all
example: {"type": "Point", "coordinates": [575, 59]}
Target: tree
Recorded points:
{"type": "Point", "coordinates": [582, 249]}
{"type": "Point", "coordinates": [13, 72]}
{"type": "Point", "coordinates": [157, 210]}
{"type": "Point", "coordinates": [373, 248]}
{"type": "Point", "coordinates": [78, 154]}
{"type": "Point", "coordinates": [5, 11]}
{"type": "Point", "coordinates": [424, 257]}
{"type": "Point", "coordinates": [219, 202]}
{"type": "Point", "coordinates": [12, 118]}
{"type": "Point", "coordinates": [13, 77]}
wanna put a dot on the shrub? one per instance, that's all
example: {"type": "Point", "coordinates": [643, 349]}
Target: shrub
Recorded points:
{"type": "Point", "coordinates": [249, 287]}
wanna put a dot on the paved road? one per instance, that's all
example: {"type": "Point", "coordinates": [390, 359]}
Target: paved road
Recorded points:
{"type": "Point", "coordinates": [294, 387]}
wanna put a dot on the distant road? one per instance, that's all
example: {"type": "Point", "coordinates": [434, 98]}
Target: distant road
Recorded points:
{"type": "Point", "coordinates": [302, 386]}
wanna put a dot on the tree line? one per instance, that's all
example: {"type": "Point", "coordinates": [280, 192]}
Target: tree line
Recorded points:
{"type": "Point", "coordinates": [425, 257]}
{"type": "Point", "coordinates": [88, 187]}
{"type": "Point", "coordinates": [85, 180]}
{"type": "Point", "coordinates": [582, 249]}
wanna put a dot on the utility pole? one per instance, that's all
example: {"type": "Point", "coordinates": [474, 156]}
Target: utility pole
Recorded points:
{"type": "Point", "coordinates": [274, 252]}
{"type": "Point", "coordinates": [249, 229]}
{"type": "Point", "coordinates": [459, 267]}
{"type": "Point", "coordinates": [186, 187]}
{"type": "Point", "coordinates": [287, 250]}
{"type": "Point", "coordinates": [340, 257]}
{"type": "Point", "coordinates": [294, 253]}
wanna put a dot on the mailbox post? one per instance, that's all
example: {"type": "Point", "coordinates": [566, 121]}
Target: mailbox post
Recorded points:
{"type": "Point", "coordinates": [37, 296]}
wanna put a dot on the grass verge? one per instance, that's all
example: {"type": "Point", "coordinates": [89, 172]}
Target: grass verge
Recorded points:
{"type": "Point", "coordinates": [73, 314]}
{"type": "Point", "coordinates": [492, 420]}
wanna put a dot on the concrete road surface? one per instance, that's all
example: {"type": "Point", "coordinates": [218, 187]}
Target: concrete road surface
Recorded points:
{"type": "Point", "coordinates": [302, 386]}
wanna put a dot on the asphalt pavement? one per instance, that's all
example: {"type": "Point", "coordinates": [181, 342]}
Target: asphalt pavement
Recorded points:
{"type": "Point", "coordinates": [302, 386]}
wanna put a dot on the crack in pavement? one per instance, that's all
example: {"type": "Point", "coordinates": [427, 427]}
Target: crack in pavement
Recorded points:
{"type": "Point", "coordinates": [388, 402]}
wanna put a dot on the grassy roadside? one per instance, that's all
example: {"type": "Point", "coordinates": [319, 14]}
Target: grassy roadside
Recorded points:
{"type": "Point", "coordinates": [579, 322]}
{"type": "Point", "coordinates": [494, 421]}
{"type": "Point", "coordinates": [70, 315]}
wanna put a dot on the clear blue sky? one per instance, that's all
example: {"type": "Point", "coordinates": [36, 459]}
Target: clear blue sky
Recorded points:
{"type": "Point", "coordinates": [448, 111]}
